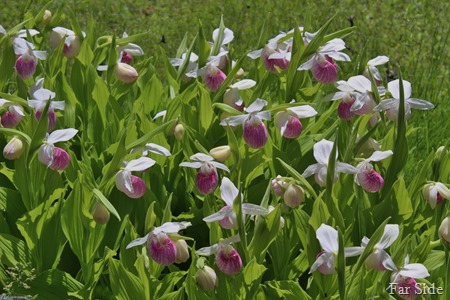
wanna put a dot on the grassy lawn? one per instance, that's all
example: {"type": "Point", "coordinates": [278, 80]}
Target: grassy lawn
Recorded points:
{"type": "Point", "coordinates": [415, 36]}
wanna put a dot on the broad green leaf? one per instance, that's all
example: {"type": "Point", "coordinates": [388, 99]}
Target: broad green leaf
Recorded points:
{"type": "Point", "coordinates": [124, 284]}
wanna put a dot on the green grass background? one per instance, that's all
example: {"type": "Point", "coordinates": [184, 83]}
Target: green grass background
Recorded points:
{"type": "Point", "coordinates": [414, 35]}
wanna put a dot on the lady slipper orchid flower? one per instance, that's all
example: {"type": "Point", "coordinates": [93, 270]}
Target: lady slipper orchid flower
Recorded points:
{"type": "Point", "coordinates": [322, 64]}
{"type": "Point", "coordinates": [274, 54]}
{"type": "Point", "coordinates": [232, 96]}
{"type": "Point", "coordinates": [379, 259]}
{"type": "Point", "coordinates": [12, 117]}
{"type": "Point", "coordinates": [227, 37]}
{"type": "Point", "coordinates": [39, 101]}
{"type": "Point", "coordinates": [364, 102]}
{"type": "Point", "coordinates": [212, 75]}
{"type": "Point", "coordinates": [128, 51]}
{"type": "Point", "coordinates": [322, 151]}
{"type": "Point", "coordinates": [27, 58]}
{"type": "Point", "coordinates": [227, 258]}
{"type": "Point", "coordinates": [435, 193]}
{"type": "Point", "coordinates": [226, 216]}
{"type": "Point", "coordinates": [207, 177]}
{"type": "Point", "coordinates": [288, 121]}
{"type": "Point", "coordinates": [347, 94]}
{"type": "Point", "coordinates": [153, 148]}
{"type": "Point", "coordinates": [391, 105]}
{"type": "Point", "coordinates": [56, 158]}
{"type": "Point", "coordinates": [325, 260]}
{"type": "Point", "coordinates": [72, 43]}
{"type": "Point", "coordinates": [367, 177]}
{"type": "Point", "coordinates": [191, 68]}
{"type": "Point", "coordinates": [255, 131]}
{"type": "Point", "coordinates": [403, 280]}
{"type": "Point", "coordinates": [130, 185]}
{"type": "Point", "coordinates": [372, 68]}
{"type": "Point", "coordinates": [160, 246]}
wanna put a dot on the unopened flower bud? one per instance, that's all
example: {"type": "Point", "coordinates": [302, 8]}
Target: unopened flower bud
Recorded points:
{"type": "Point", "coordinates": [100, 213]}
{"type": "Point", "coordinates": [182, 251]}
{"type": "Point", "coordinates": [206, 278]}
{"type": "Point", "coordinates": [221, 153]}
{"type": "Point", "coordinates": [294, 196]}
{"type": "Point", "coordinates": [279, 186]}
{"type": "Point", "coordinates": [162, 249]}
{"type": "Point", "coordinates": [14, 149]}
{"type": "Point", "coordinates": [239, 74]}
{"type": "Point", "coordinates": [179, 132]}
{"type": "Point", "coordinates": [444, 230]}
{"type": "Point", "coordinates": [440, 153]}
{"type": "Point", "coordinates": [47, 17]}
{"type": "Point", "coordinates": [125, 72]}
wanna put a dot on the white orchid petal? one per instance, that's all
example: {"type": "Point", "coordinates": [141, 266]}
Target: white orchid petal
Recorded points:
{"type": "Point", "coordinates": [138, 241]}
{"type": "Point", "coordinates": [172, 227]}
{"type": "Point", "coordinates": [256, 106]}
{"type": "Point", "coordinates": [243, 84]}
{"type": "Point", "coordinates": [233, 239]}
{"type": "Point", "coordinates": [220, 215]}
{"type": "Point", "coordinates": [353, 251]}
{"type": "Point", "coordinates": [228, 191]}
{"type": "Point", "coordinates": [387, 261]}
{"type": "Point", "coordinates": [60, 105]}
{"type": "Point", "coordinates": [312, 169]}
{"type": "Point", "coordinates": [43, 94]}
{"type": "Point", "coordinates": [201, 157]}
{"type": "Point", "coordinates": [140, 164]}
{"type": "Point", "coordinates": [255, 54]}
{"type": "Point", "coordinates": [379, 60]}
{"type": "Point", "coordinates": [303, 111]}
{"type": "Point", "coordinates": [322, 151]}
{"type": "Point", "coordinates": [254, 210]}
{"type": "Point", "coordinates": [390, 234]}
{"type": "Point", "coordinates": [414, 271]}
{"type": "Point", "coordinates": [394, 88]}
{"type": "Point", "coordinates": [307, 65]}
{"type": "Point", "coordinates": [61, 135]}
{"type": "Point", "coordinates": [360, 83]}
{"type": "Point", "coordinates": [102, 68]}
{"type": "Point", "coordinates": [328, 238]}
{"type": "Point", "coordinates": [155, 148]}
{"type": "Point", "coordinates": [339, 56]}
{"type": "Point", "coordinates": [321, 260]}
{"type": "Point", "coordinates": [194, 165]}
{"type": "Point", "coordinates": [220, 166]}
{"type": "Point", "coordinates": [379, 155]}
{"type": "Point", "coordinates": [42, 55]}
{"type": "Point", "coordinates": [207, 251]}
{"type": "Point", "coordinates": [234, 120]}
{"type": "Point", "coordinates": [346, 168]}
{"type": "Point", "coordinates": [387, 104]}
{"type": "Point", "coordinates": [420, 104]}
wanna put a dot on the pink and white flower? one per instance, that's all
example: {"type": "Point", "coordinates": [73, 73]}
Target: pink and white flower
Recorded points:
{"type": "Point", "coordinates": [322, 64]}
{"type": "Point", "coordinates": [128, 51]}
{"type": "Point", "coordinates": [133, 186]}
{"type": "Point", "coordinates": [275, 54]}
{"type": "Point", "coordinates": [364, 102]}
{"type": "Point", "coordinates": [325, 260]}
{"type": "Point", "coordinates": [372, 68]}
{"type": "Point", "coordinates": [27, 57]}
{"type": "Point", "coordinates": [391, 105]}
{"type": "Point", "coordinates": [72, 43]}
{"type": "Point", "coordinates": [435, 193]}
{"type": "Point", "coordinates": [255, 131]}
{"type": "Point", "coordinates": [288, 121]}
{"type": "Point", "coordinates": [161, 247]}
{"type": "Point", "coordinates": [191, 68]}
{"type": "Point", "coordinates": [207, 177]}
{"type": "Point", "coordinates": [403, 280]}
{"type": "Point", "coordinates": [347, 94]}
{"type": "Point", "coordinates": [226, 216]}
{"type": "Point", "coordinates": [367, 177]}
{"type": "Point", "coordinates": [212, 75]}
{"type": "Point", "coordinates": [232, 96]}
{"type": "Point", "coordinates": [228, 259]}
{"type": "Point", "coordinates": [322, 151]}
{"type": "Point", "coordinates": [56, 158]}
{"type": "Point", "coordinates": [12, 117]}
{"type": "Point", "coordinates": [40, 96]}
{"type": "Point", "coordinates": [379, 259]}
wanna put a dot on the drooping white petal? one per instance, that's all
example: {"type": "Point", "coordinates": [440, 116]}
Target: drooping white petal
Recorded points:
{"type": "Point", "coordinates": [303, 111]}
{"type": "Point", "coordinates": [172, 227]}
{"type": "Point", "coordinates": [335, 96]}
{"type": "Point", "coordinates": [353, 251]}
{"type": "Point", "coordinates": [253, 209]}
{"type": "Point", "coordinates": [194, 165]}
{"type": "Point", "coordinates": [232, 239]}
{"type": "Point", "coordinates": [387, 261]}
{"type": "Point", "coordinates": [140, 164]}
{"type": "Point", "coordinates": [227, 36]}
{"type": "Point", "coordinates": [42, 55]}
{"type": "Point", "coordinates": [264, 115]}
{"type": "Point", "coordinates": [234, 120]}
{"type": "Point", "coordinates": [243, 84]}
{"type": "Point", "coordinates": [155, 148]}
{"type": "Point", "coordinates": [308, 64]}
{"type": "Point", "coordinates": [360, 83]}
{"type": "Point", "coordinates": [379, 60]}
{"type": "Point", "coordinates": [220, 215]}
{"type": "Point", "coordinates": [278, 55]}
{"type": "Point", "coordinates": [327, 258]}
{"type": "Point", "coordinates": [414, 271]}
{"type": "Point", "coordinates": [312, 169]}
{"type": "Point", "coordinates": [160, 114]}
{"type": "Point", "coordinates": [328, 238]}
{"type": "Point", "coordinates": [256, 106]}
{"type": "Point", "coordinates": [60, 105]}
{"type": "Point", "coordinates": [125, 177]}
{"type": "Point", "coordinates": [61, 135]}
{"type": "Point", "coordinates": [386, 104]}
{"type": "Point", "coordinates": [207, 251]}
{"type": "Point", "coordinates": [345, 168]}
{"type": "Point", "coordinates": [322, 151]}
{"type": "Point", "coordinates": [379, 155]}
{"type": "Point", "coordinates": [18, 110]}
{"type": "Point", "coordinates": [220, 166]}
{"type": "Point", "coordinates": [43, 94]}
{"type": "Point", "coordinates": [228, 191]}
{"type": "Point", "coordinates": [255, 54]}
{"type": "Point", "coordinates": [201, 157]}
{"type": "Point", "coordinates": [132, 49]}
{"type": "Point", "coordinates": [443, 190]}
{"type": "Point", "coordinates": [390, 234]}
{"type": "Point", "coordinates": [138, 241]}
{"type": "Point", "coordinates": [420, 104]}
{"type": "Point", "coordinates": [340, 56]}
